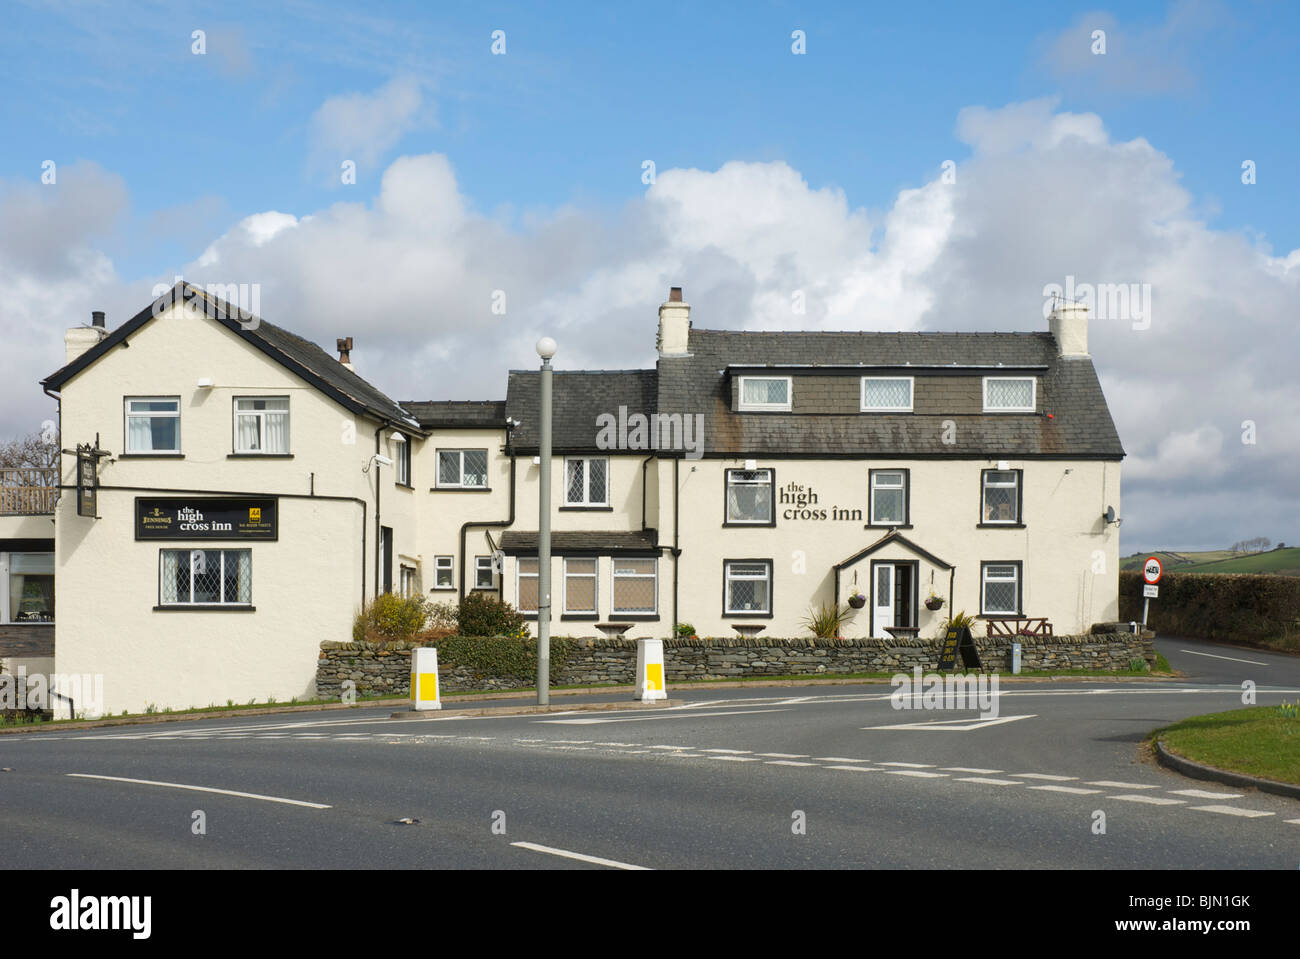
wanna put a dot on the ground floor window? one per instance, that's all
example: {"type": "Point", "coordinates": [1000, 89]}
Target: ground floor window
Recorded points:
{"type": "Point", "coordinates": [526, 585]}
{"type": "Point", "coordinates": [484, 573]}
{"type": "Point", "coordinates": [747, 586]}
{"type": "Point", "coordinates": [444, 572]}
{"type": "Point", "coordinates": [30, 587]}
{"type": "Point", "coordinates": [409, 582]}
{"type": "Point", "coordinates": [579, 585]}
{"type": "Point", "coordinates": [208, 577]}
{"type": "Point", "coordinates": [635, 589]}
{"type": "Point", "coordinates": [1000, 589]}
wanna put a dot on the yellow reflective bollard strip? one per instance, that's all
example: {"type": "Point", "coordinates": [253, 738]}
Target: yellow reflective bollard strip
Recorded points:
{"type": "Point", "coordinates": [424, 679]}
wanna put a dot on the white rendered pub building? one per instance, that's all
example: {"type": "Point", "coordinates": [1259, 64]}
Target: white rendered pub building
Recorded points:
{"type": "Point", "coordinates": [244, 493]}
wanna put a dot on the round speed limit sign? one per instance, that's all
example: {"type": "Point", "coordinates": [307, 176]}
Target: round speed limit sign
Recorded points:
{"type": "Point", "coordinates": [1151, 570]}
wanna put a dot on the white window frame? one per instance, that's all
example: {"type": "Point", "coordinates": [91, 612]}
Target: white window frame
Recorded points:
{"type": "Point", "coordinates": [408, 581]}
{"type": "Point", "coordinates": [586, 481]}
{"type": "Point", "coordinates": [128, 416]}
{"type": "Point", "coordinates": [985, 486]}
{"type": "Point", "coordinates": [771, 497]}
{"type": "Point", "coordinates": [871, 502]}
{"type": "Point", "coordinates": [461, 484]}
{"type": "Point", "coordinates": [984, 581]}
{"type": "Point", "coordinates": [479, 569]}
{"type": "Point", "coordinates": [1033, 394]}
{"type": "Point", "coordinates": [234, 604]}
{"type": "Point", "coordinates": [614, 577]}
{"type": "Point", "coordinates": [6, 569]}
{"type": "Point", "coordinates": [765, 407]}
{"type": "Point", "coordinates": [443, 564]}
{"type": "Point", "coordinates": [260, 416]}
{"type": "Point", "coordinates": [520, 575]}
{"type": "Point", "coordinates": [594, 576]}
{"type": "Point", "coordinates": [727, 579]}
{"type": "Point", "coordinates": [911, 395]}
{"type": "Point", "coordinates": [402, 463]}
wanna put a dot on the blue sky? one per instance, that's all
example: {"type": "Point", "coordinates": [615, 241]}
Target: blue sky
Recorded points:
{"type": "Point", "coordinates": [586, 92]}
{"type": "Point", "coordinates": [818, 174]}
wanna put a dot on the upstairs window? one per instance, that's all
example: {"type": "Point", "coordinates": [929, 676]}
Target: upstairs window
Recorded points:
{"type": "Point", "coordinates": [403, 462]}
{"type": "Point", "coordinates": [749, 497]}
{"type": "Point", "coordinates": [262, 424]}
{"type": "Point", "coordinates": [886, 394]}
{"type": "Point", "coordinates": [889, 497]}
{"type": "Point", "coordinates": [1000, 499]}
{"type": "Point", "coordinates": [586, 481]}
{"type": "Point", "coordinates": [153, 425]}
{"type": "Point", "coordinates": [462, 469]}
{"type": "Point", "coordinates": [1009, 394]}
{"type": "Point", "coordinates": [765, 393]}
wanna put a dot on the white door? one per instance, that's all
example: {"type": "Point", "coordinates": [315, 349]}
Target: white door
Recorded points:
{"type": "Point", "coordinates": [882, 600]}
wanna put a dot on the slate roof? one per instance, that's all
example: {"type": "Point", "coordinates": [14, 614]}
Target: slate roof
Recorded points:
{"type": "Point", "coordinates": [452, 414]}
{"type": "Point", "coordinates": [516, 542]}
{"type": "Point", "coordinates": [1081, 425]}
{"type": "Point", "coordinates": [291, 351]}
{"type": "Point", "coordinates": [577, 399]}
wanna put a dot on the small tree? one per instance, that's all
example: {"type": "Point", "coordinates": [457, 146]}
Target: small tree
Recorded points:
{"type": "Point", "coordinates": [482, 614]}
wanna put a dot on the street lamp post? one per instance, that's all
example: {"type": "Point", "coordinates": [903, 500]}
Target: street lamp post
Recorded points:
{"type": "Point", "coordinates": [545, 349]}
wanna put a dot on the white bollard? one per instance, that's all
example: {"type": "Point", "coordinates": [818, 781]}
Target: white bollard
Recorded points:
{"type": "Point", "coordinates": [650, 670]}
{"type": "Point", "coordinates": [424, 678]}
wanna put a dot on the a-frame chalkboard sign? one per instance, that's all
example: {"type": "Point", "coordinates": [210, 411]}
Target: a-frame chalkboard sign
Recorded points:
{"type": "Point", "coordinates": [958, 640]}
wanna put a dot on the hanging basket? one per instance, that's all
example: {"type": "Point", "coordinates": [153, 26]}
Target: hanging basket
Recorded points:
{"type": "Point", "coordinates": [857, 602]}
{"type": "Point", "coordinates": [934, 603]}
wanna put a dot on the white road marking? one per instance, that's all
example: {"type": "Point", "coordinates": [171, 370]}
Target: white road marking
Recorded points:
{"type": "Point", "coordinates": [1150, 800]}
{"type": "Point", "coordinates": [672, 747]}
{"type": "Point", "coordinates": [954, 725]}
{"type": "Point", "coordinates": [842, 759]}
{"type": "Point", "coordinates": [1055, 779]}
{"type": "Point", "coordinates": [1293, 822]}
{"type": "Point", "coordinates": [971, 769]}
{"type": "Point", "coordinates": [1233, 811]}
{"type": "Point", "coordinates": [1066, 789]}
{"type": "Point", "coordinates": [915, 772]}
{"type": "Point", "coordinates": [203, 789]}
{"type": "Point", "coordinates": [911, 765]}
{"type": "Point", "coordinates": [989, 782]}
{"type": "Point", "coordinates": [648, 719]}
{"type": "Point", "coordinates": [736, 759]}
{"type": "Point", "coordinates": [562, 742]}
{"type": "Point", "coordinates": [735, 751]}
{"type": "Point", "coordinates": [1231, 659]}
{"type": "Point", "coordinates": [1112, 784]}
{"type": "Point", "coordinates": [1205, 794]}
{"type": "Point", "coordinates": [863, 769]}
{"type": "Point", "coordinates": [596, 860]}
{"type": "Point", "coordinates": [786, 762]}
{"type": "Point", "coordinates": [786, 755]}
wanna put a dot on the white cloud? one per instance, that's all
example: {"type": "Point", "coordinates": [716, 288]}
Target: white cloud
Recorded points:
{"type": "Point", "coordinates": [363, 127]}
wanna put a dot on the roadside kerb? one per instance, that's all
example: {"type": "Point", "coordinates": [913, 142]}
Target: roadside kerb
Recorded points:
{"type": "Point", "coordinates": [1195, 770]}
{"type": "Point", "coordinates": [526, 710]}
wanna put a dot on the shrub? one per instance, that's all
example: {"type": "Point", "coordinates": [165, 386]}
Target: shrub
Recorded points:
{"type": "Point", "coordinates": [685, 630]}
{"type": "Point", "coordinates": [390, 617]}
{"type": "Point", "coordinates": [827, 620]}
{"type": "Point", "coordinates": [1236, 607]}
{"type": "Point", "coordinates": [482, 614]}
{"type": "Point", "coordinates": [442, 616]}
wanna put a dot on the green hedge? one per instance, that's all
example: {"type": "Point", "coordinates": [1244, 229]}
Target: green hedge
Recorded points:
{"type": "Point", "coordinates": [500, 656]}
{"type": "Point", "coordinates": [1234, 607]}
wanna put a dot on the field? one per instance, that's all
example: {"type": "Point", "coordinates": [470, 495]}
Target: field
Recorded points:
{"type": "Point", "coordinates": [1281, 562]}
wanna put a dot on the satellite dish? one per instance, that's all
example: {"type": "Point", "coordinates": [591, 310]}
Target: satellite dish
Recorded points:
{"type": "Point", "coordinates": [1110, 514]}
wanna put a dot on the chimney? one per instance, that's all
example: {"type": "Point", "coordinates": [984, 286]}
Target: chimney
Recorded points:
{"type": "Point", "coordinates": [345, 351]}
{"type": "Point", "coordinates": [1068, 322]}
{"type": "Point", "coordinates": [674, 324]}
{"type": "Point", "coordinates": [79, 339]}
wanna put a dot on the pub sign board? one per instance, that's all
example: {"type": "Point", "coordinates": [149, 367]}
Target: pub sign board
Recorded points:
{"type": "Point", "coordinates": [956, 640]}
{"type": "Point", "coordinates": [207, 518]}
{"type": "Point", "coordinates": [87, 484]}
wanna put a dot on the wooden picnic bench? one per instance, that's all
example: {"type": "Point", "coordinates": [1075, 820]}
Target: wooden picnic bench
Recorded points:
{"type": "Point", "coordinates": [1019, 626]}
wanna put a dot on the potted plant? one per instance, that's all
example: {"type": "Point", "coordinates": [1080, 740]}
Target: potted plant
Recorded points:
{"type": "Point", "coordinates": [857, 600]}
{"type": "Point", "coordinates": [933, 602]}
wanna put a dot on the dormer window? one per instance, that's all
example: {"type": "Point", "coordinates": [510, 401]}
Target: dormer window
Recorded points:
{"type": "Point", "coordinates": [886, 394]}
{"type": "Point", "coordinates": [764, 394]}
{"type": "Point", "coordinates": [1009, 394]}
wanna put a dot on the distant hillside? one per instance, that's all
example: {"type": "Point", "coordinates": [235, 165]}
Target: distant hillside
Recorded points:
{"type": "Point", "coordinates": [1282, 562]}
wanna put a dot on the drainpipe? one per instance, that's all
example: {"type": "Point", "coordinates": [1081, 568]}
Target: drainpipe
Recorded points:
{"type": "Point", "coordinates": [490, 524]}
{"type": "Point", "coordinates": [644, 463]}
{"type": "Point", "coordinates": [379, 530]}
{"type": "Point", "coordinates": [677, 492]}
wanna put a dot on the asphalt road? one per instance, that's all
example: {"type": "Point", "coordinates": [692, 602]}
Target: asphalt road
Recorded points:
{"type": "Point", "coordinates": [799, 777]}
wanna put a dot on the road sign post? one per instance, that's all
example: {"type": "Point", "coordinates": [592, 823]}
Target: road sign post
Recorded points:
{"type": "Point", "coordinates": [1152, 570]}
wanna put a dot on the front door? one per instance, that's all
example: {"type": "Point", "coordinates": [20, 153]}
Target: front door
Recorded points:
{"type": "Point", "coordinates": [892, 601]}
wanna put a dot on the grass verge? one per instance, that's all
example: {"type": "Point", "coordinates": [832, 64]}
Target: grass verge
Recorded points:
{"type": "Point", "coordinates": [1261, 741]}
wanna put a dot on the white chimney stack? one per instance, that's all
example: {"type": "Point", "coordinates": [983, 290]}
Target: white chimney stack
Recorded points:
{"type": "Point", "coordinates": [1068, 322]}
{"type": "Point", "coordinates": [79, 339]}
{"type": "Point", "coordinates": [674, 324]}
